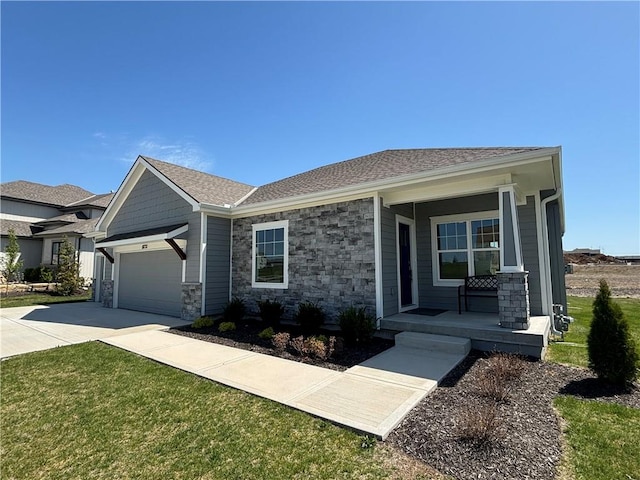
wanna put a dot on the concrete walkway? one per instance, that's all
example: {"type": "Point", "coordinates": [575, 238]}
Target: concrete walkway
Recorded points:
{"type": "Point", "coordinates": [372, 397]}
{"type": "Point", "coordinates": [29, 329]}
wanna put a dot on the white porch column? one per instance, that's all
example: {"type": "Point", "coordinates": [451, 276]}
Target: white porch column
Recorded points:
{"type": "Point", "coordinates": [510, 244]}
{"type": "Point", "coordinates": [513, 285]}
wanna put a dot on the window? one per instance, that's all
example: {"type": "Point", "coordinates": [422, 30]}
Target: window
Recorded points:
{"type": "Point", "coordinates": [55, 252]}
{"type": "Point", "coordinates": [270, 257]}
{"type": "Point", "coordinates": [465, 245]}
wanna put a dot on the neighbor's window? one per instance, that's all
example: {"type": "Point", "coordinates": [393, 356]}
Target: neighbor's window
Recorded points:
{"type": "Point", "coordinates": [55, 252]}
{"type": "Point", "coordinates": [270, 255]}
{"type": "Point", "coordinates": [465, 245]}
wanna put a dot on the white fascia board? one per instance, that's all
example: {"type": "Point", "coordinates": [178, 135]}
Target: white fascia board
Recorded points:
{"type": "Point", "coordinates": [147, 239]}
{"type": "Point", "coordinates": [366, 190]}
{"type": "Point", "coordinates": [215, 210]}
{"type": "Point", "coordinates": [185, 196]}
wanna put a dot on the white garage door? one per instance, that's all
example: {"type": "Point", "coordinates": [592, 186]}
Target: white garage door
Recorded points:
{"type": "Point", "coordinates": [151, 282]}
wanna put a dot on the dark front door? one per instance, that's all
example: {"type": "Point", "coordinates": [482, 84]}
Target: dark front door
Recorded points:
{"type": "Point", "coordinates": [406, 296]}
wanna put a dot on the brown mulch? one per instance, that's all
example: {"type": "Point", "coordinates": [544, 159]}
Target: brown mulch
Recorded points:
{"type": "Point", "coordinates": [246, 338]}
{"type": "Point", "coordinates": [527, 442]}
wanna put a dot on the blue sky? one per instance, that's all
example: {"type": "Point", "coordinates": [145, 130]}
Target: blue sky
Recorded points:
{"type": "Point", "coordinates": [261, 91]}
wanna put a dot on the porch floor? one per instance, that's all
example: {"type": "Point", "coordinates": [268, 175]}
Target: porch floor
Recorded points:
{"type": "Point", "coordinates": [481, 328]}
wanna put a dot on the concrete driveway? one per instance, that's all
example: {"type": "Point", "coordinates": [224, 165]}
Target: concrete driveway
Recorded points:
{"type": "Point", "coordinates": [28, 329]}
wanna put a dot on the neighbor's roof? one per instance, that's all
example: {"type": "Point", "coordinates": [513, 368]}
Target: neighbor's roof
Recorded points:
{"type": "Point", "coordinates": [58, 196]}
{"type": "Point", "coordinates": [66, 218]}
{"type": "Point", "coordinates": [377, 166]}
{"type": "Point", "coordinates": [101, 200]}
{"type": "Point", "coordinates": [81, 227]}
{"type": "Point", "coordinates": [21, 229]}
{"type": "Point", "coordinates": [202, 187]}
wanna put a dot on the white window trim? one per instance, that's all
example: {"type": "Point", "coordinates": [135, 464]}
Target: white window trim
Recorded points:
{"type": "Point", "coordinates": [268, 226]}
{"type": "Point", "coordinates": [465, 217]}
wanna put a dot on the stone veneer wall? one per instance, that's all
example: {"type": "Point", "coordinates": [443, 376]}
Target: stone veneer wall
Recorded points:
{"type": "Point", "coordinates": [191, 301]}
{"type": "Point", "coordinates": [513, 300]}
{"type": "Point", "coordinates": [107, 293]}
{"type": "Point", "coordinates": [331, 258]}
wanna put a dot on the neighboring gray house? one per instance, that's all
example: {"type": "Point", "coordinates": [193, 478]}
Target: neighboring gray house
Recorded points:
{"type": "Point", "coordinates": [392, 231]}
{"type": "Point", "coordinates": [42, 215]}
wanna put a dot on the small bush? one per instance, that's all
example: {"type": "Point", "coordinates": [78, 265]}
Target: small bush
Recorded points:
{"type": "Point", "coordinates": [506, 366]}
{"type": "Point", "coordinates": [202, 322]}
{"type": "Point", "coordinates": [234, 311]}
{"type": "Point", "coordinates": [266, 334]}
{"type": "Point", "coordinates": [492, 386]}
{"type": "Point", "coordinates": [357, 325]}
{"type": "Point", "coordinates": [32, 275]}
{"type": "Point", "coordinates": [271, 312]}
{"type": "Point", "coordinates": [317, 348]}
{"type": "Point", "coordinates": [297, 345]}
{"type": "Point", "coordinates": [46, 274]}
{"type": "Point", "coordinates": [226, 327]}
{"type": "Point", "coordinates": [612, 351]}
{"type": "Point", "coordinates": [310, 317]}
{"type": "Point", "coordinates": [280, 341]}
{"type": "Point", "coordinates": [481, 425]}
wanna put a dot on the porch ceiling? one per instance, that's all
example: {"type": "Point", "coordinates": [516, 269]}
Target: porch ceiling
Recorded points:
{"type": "Point", "coordinates": [528, 179]}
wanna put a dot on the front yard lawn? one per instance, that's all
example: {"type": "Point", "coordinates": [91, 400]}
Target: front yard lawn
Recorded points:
{"type": "Point", "coordinates": [573, 350]}
{"type": "Point", "coordinates": [94, 411]}
{"type": "Point", "coordinates": [603, 439]}
{"type": "Point", "coordinates": [40, 298]}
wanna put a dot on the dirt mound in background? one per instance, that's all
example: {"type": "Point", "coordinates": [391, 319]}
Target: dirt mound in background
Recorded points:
{"type": "Point", "coordinates": [584, 259]}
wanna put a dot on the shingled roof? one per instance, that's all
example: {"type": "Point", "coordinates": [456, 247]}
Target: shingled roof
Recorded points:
{"type": "Point", "coordinates": [202, 187]}
{"type": "Point", "coordinates": [101, 200]}
{"type": "Point", "coordinates": [80, 227]}
{"type": "Point", "coordinates": [376, 166]}
{"type": "Point", "coordinates": [20, 228]}
{"type": "Point", "coordinates": [58, 196]}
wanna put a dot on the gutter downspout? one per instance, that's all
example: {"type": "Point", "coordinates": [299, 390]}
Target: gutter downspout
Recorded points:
{"type": "Point", "coordinates": [547, 260]}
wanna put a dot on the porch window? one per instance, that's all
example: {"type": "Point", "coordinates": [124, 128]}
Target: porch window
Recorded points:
{"type": "Point", "coordinates": [270, 255]}
{"type": "Point", "coordinates": [465, 245]}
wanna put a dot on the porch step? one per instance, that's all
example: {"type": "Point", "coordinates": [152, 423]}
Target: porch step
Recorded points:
{"type": "Point", "coordinates": [434, 343]}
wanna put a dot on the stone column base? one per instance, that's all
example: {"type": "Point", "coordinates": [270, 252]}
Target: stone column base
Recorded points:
{"type": "Point", "coordinates": [107, 293]}
{"type": "Point", "coordinates": [513, 300]}
{"type": "Point", "coordinates": [191, 301]}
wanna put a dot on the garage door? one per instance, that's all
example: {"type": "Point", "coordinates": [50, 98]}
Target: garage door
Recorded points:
{"type": "Point", "coordinates": [151, 282]}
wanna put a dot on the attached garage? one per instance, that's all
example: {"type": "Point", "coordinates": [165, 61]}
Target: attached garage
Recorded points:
{"type": "Point", "coordinates": [151, 282]}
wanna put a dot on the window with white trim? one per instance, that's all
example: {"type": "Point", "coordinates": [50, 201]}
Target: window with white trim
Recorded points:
{"type": "Point", "coordinates": [270, 255]}
{"type": "Point", "coordinates": [465, 245]}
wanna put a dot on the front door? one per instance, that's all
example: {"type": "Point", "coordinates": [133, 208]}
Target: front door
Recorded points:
{"type": "Point", "coordinates": [406, 275]}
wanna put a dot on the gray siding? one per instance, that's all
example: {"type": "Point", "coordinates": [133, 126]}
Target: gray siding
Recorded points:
{"type": "Point", "coordinates": [152, 204]}
{"type": "Point", "coordinates": [529, 238]}
{"type": "Point", "coordinates": [28, 210]}
{"type": "Point", "coordinates": [30, 250]}
{"type": "Point", "coordinates": [218, 264]}
{"type": "Point", "coordinates": [389, 254]}
{"type": "Point", "coordinates": [446, 297]}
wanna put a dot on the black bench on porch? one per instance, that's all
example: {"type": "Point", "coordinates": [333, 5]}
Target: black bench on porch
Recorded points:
{"type": "Point", "coordinates": [477, 286]}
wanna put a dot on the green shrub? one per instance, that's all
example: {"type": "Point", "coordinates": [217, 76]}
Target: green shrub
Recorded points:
{"type": "Point", "coordinates": [32, 275]}
{"type": "Point", "coordinates": [235, 310]}
{"type": "Point", "coordinates": [267, 333]}
{"type": "Point", "coordinates": [226, 327]}
{"type": "Point", "coordinates": [357, 325]}
{"type": "Point", "coordinates": [46, 274]}
{"type": "Point", "coordinates": [310, 317]}
{"type": "Point", "coordinates": [612, 352]}
{"type": "Point", "coordinates": [271, 312]}
{"type": "Point", "coordinates": [202, 322]}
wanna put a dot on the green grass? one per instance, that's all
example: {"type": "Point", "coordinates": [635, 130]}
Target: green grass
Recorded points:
{"type": "Point", "coordinates": [573, 350]}
{"type": "Point", "coordinates": [603, 439]}
{"type": "Point", "coordinates": [40, 299]}
{"type": "Point", "coordinates": [94, 411]}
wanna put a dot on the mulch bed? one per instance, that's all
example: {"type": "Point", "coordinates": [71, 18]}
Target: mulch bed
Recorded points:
{"type": "Point", "coordinates": [527, 442]}
{"type": "Point", "coordinates": [246, 338]}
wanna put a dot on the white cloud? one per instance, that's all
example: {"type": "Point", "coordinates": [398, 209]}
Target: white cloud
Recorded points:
{"type": "Point", "coordinates": [184, 152]}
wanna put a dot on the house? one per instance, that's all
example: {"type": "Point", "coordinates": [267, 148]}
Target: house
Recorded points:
{"type": "Point", "coordinates": [42, 216]}
{"type": "Point", "coordinates": [393, 231]}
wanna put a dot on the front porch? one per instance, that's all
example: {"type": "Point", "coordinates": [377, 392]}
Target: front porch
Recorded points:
{"type": "Point", "coordinates": [482, 329]}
